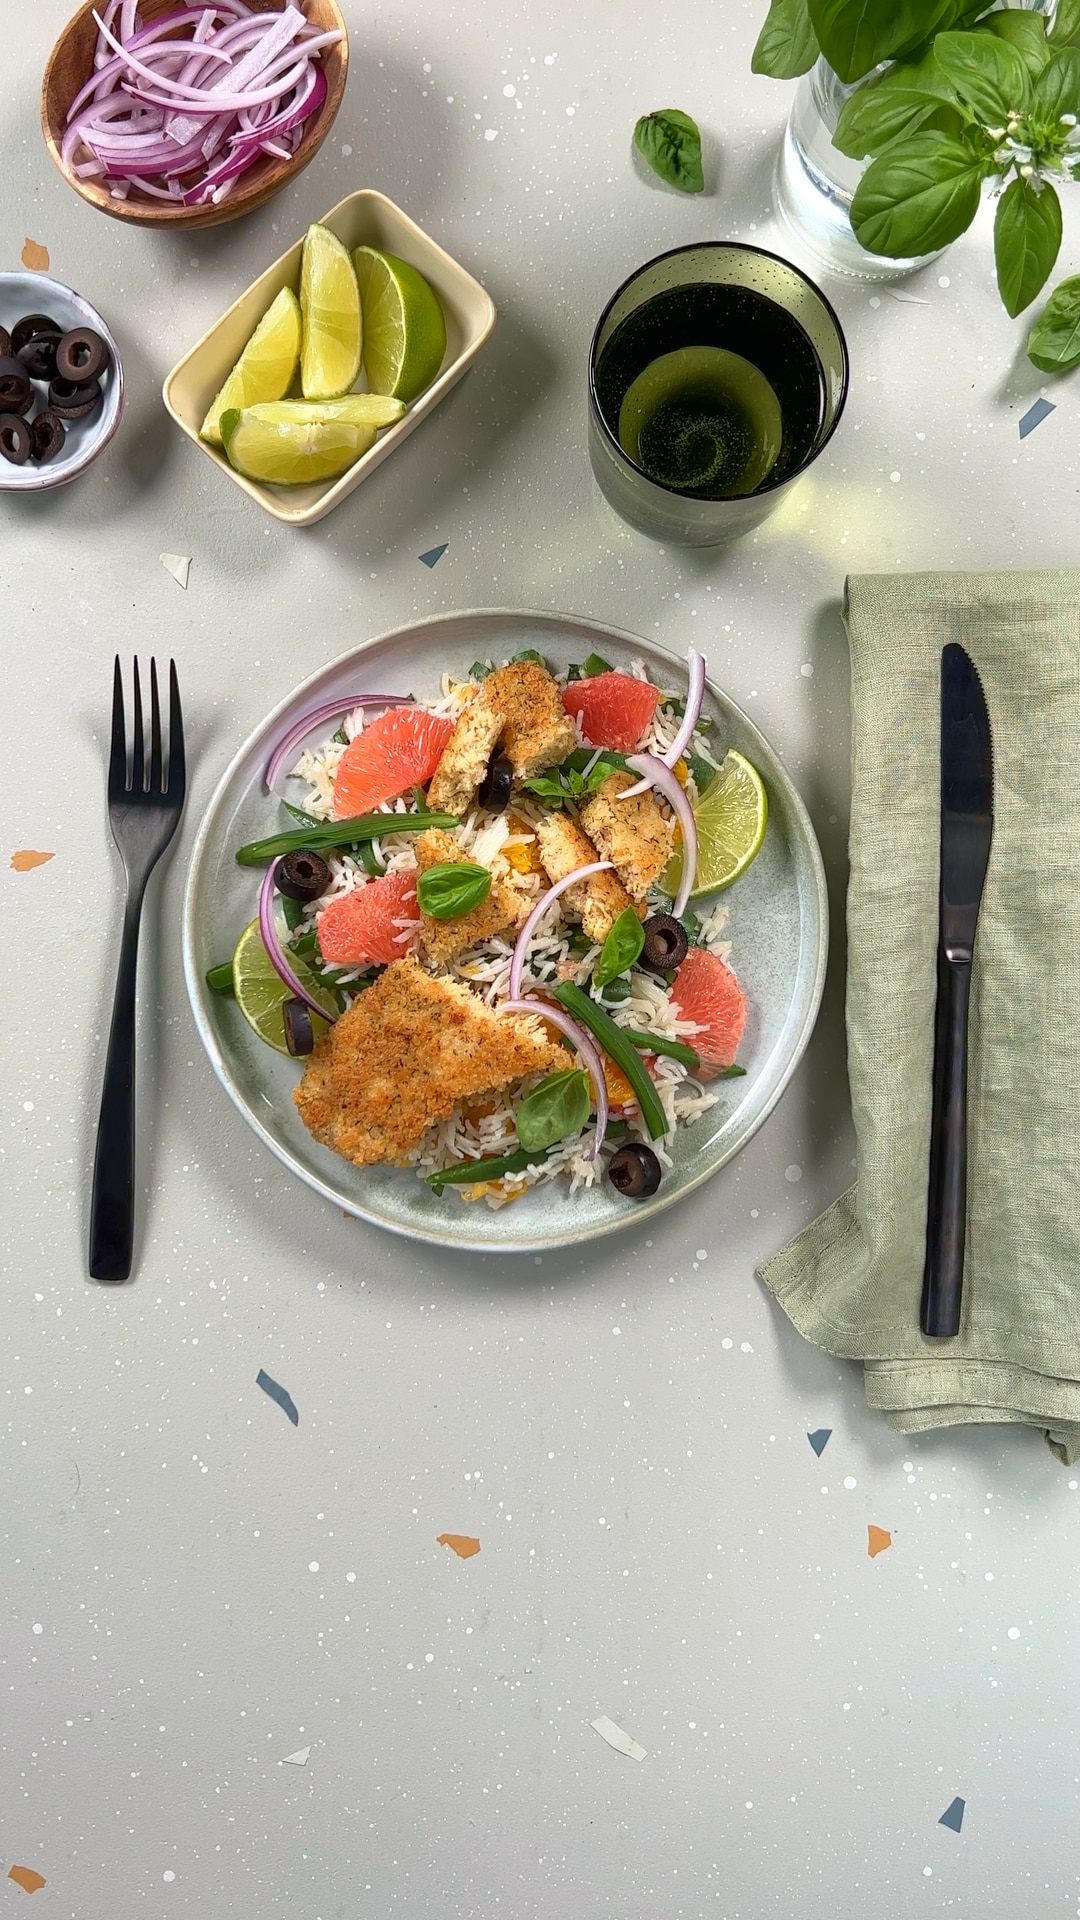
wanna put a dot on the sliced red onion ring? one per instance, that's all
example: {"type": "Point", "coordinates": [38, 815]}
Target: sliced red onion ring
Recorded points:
{"type": "Point", "coordinates": [656, 773]}
{"type": "Point", "coordinates": [586, 1049]}
{"type": "Point", "coordinates": [300, 728]}
{"type": "Point", "coordinates": [276, 951]}
{"type": "Point", "coordinates": [695, 694]}
{"type": "Point", "coordinates": [517, 964]}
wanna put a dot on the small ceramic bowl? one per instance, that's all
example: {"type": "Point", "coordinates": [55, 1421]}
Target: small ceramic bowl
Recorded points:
{"type": "Point", "coordinates": [26, 293]}
{"type": "Point", "coordinates": [70, 65]}
{"type": "Point", "coordinates": [364, 219]}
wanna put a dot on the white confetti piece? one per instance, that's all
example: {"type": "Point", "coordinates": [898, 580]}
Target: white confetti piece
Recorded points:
{"type": "Point", "coordinates": [616, 1738]}
{"type": "Point", "coordinates": [909, 299]}
{"type": "Point", "coordinates": [299, 1759]}
{"type": "Point", "coordinates": [179, 565]}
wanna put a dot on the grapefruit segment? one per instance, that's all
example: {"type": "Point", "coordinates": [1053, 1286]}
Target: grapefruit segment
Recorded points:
{"type": "Point", "coordinates": [613, 709]}
{"type": "Point", "coordinates": [707, 992]}
{"type": "Point", "coordinates": [399, 750]}
{"type": "Point", "coordinates": [362, 929]}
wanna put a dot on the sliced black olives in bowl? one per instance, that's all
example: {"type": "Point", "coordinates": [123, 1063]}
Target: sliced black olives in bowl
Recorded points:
{"type": "Point", "coordinates": [46, 436]}
{"type": "Point", "coordinates": [39, 356]}
{"type": "Point", "coordinates": [81, 355]}
{"type": "Point", "coordinates": [15, 440]}
{"type": "Point", "coordinates": [72, 399]}
{"type": "Point", "coordinates": [26, 329]}
{"type": "Point", "coordinates": [16, 391]}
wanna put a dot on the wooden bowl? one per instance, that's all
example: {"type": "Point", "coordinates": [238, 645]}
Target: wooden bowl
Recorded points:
{"type": "Point", "coordinates": [69, 67]}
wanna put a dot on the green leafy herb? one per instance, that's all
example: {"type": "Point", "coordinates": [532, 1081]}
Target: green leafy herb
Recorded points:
{"type": "Point", "coordinates": [369, 859]}
{"type": "Point", "coordinates": [616, 992]}
{"type": "Point", "coordinates": [582, 756]}
{"type": "Point", "coordinates": [469, 1172]}
{"type": "Point", "coordinates": [596, 664]}
{"type": "Point", "coordinates": [340, 833]}
{"type": "Point", "coordinates": [340, 738]}
{"type": "Point", "coordinates": [293, 911]}
{"type": "Point", "coordinates": [1054, 341]}
{"type": "Point", "coordinates": [306, 819]}
{"type": "Point", "coordinates": [220, 979]}
{"type": "Point", "coordinates": [1027, 236]}
{"type": "Point", "coordinates": [873, 117]}
{"type": "Point", "coordinates": [1026, 32]}
{"type": "Point", "coordinates": [988, 74]}
{"type": "Point", "coordinates": [670, 144]}
{"type": "Point", "coordinates": [702, 771]}
{"type": "Point", "coordinates": [1065, 31]}
{"type": "Point", "coordinates": [528, 653]}
{"type": "Point", "coordinates": [549, 787]}
{"type": "Point", "coordinates": [691, 926]}
{"type": "Point", "coordinates": [621, 948]}
{"type": "Point", "coordinates": [573, 671]}
{"type": "Point", "coordinates": [656, 1043]}
{"type": "Point", "coordinates": [558, 1107]}
{"type": "Point", "coordinates": [615, 1131]}
{"type": "Point", "coordinates": [480, 669]}
{"type": "Point", "coordinates": [582, 773]}
{"type": "Point", "coordinates": [731, 1073]}
{"type": "Point", "coordinates": [918, 196]}
{"type": "Point", "coordinates": [787, 44]}
{"type": "Point", "coordinates": [857, 35]}
{"type": "Point", "coordinates": [452, 888]}
{"type": "Point", "coordinates": [618, 1048]}
{"type": "Point", "coordinates": [305, 943]}
{"type": "Point", "coordinates": [1057, 89]}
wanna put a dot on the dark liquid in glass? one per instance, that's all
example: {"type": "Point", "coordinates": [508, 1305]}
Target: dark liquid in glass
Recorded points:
{"type": "Point", "coordinates": [704, 424]}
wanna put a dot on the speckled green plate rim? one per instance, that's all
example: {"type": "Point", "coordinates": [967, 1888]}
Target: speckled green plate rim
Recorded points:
{"type": "Point", "coordinates": [784, 987]}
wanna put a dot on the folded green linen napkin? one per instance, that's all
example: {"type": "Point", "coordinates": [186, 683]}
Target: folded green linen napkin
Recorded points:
{"type": "Point", "coordinates": [852, 1281]}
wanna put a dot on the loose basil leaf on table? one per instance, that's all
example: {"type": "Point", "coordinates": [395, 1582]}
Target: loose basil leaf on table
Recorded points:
{"type": "Point", "coordinates": [558, 1107]}
{"type": "Point", "coordinates": [918, 197]}
{"type": "Point", "coordinates": [1026, 32]}
{"type": "Point", "coordinates": [1057, 89]}
{"type": "Point", "coordinates": [621, 948]}
{"type": "Point", "coordinates": [1027, 236]}
{"type": "Point", "coordinates": [988, 74]}
{"type": "Point", "coordinates": [451, 888]}
{"type": "Point", "coordinates": [857, 35]}
{"type": "Point", "coordinates": [670, 144]}
{"type": "Point", "coordinates": [787, 44]}
{"type": "Point", "coordinates": [1054, 341]}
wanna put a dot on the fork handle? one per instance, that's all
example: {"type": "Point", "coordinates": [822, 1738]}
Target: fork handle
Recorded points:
{"type": "Point", "coordinates": [112, 1206]}
{"type": "Point", "coordinates": [946, 1217]}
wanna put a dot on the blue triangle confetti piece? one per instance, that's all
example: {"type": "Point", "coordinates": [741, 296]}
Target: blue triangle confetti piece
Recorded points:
{"type": "Point", "coordinates": [285, 1400]}
{"type": "Point", "coordinates": [434, 554]}
{"type": "Point", "coordinates": [1035, 416]}
{"type": "Point", "coordinates": [819, 1439]}
{"type": "Point", "coordinates": [953, 1815]}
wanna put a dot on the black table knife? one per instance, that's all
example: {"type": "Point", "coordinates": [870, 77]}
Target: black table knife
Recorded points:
{"type": "Point", "coordinates": [967, 827]}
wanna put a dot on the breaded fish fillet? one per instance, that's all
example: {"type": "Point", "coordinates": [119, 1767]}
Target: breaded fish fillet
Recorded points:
{"type": "Point", "coordinates": [404, 1053]}
{"type": "Point", "coordinates": [519, 707]}
{"type": "Point", "coordinates": [504, 909]}
{"type": "Point", "coordinates": [633, 834]}
{"type": "Point", "coordinates": [600, 899]}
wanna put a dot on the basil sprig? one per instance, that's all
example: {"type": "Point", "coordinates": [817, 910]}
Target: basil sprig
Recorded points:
{"type": "Point", "coordinates": [571, 781]}
{"type": "Point", "coordinates": [557, 1108]}
{"type": "Point", "coordinates": [669, 142]}
{"type": "Point", "coordinates": [451, 888]}
{"type": "Point", "coordinates": [621, 948]}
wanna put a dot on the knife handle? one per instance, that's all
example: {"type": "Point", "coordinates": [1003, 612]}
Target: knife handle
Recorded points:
{"type": "Point", "coordinates": [946, 1212]}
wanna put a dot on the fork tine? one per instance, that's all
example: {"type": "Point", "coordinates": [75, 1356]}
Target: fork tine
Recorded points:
{"type": "Point", "coordinates": [138, 753]}
{"type": "Point", "coordinates": [177, 764]}
{"type": "Point", "coordinates": [155, 732]}
{"type": "Point", "coordinates": [118, 741]}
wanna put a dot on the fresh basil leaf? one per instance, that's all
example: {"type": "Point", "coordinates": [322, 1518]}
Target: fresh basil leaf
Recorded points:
{"type": "Point", "coordinates": [369, 859]}
{"type": "Point", "coordinates": [1065, 31]}
{"type": "Point", "coordinates": [480, 670]}
{"type": "Point", "coordinates": [691, 925]}
{"type": "Point", "coordinates": [621, 948]}
{"type": "Point", "coordinates": [558, 1107]}
{"type": "Point", "coordinates": [609, 759]}
{"type": "Point", "coordinates": [1057, 90]}
{"type": "Point", "coordinates": [1054, 341]}
{"type": "Point", "coordinates": [293, 911]}
{"type": "Point", "coordinates": [597, 776]}
{"type": "Point", "coordinates": [576, 784]}
{"type": "Point", "coordinates": [670, 144]}
{"type": "Point", "coordinates": [615, 993]}
{"type": "Point", "coordinates": [615, 1131]}
{"type": "Point", "coordinates": [1024, 31]}
{"type": "Point", "coordinates": [856, 35]}
{"type": "Point", "coordinates": [787, 44]}
{"type": "Point", "coordinates": [920, 73]}
{"type": "Point", "coordinates": [547, 788]}
{"type": "Point", "coordinates": [527, 653]}
{"type": "Point", "coordinates": [1027, 236]}
{"type": "Point", "coordinates": [596, 664]}
{"type": "Point", "coordinates": [917, 197]}
{"type": "Point", "coordinates": [451, 888]}
{"type": "Point", "coordinates": [703, 772]}
{"type": "Point", "coordinates": [988, 74]}
{"type": "Point", "coordinates": [871, 119]}
{"type": "Point", "coordinates": [340, 738]}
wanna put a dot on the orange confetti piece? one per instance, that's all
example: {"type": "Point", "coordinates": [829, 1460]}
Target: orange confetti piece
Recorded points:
{"type": "Point", "coordinates": [35, 257]}
{"type": "Point", "coordinates": [27, 1879]}
{"type": "Point", "coordinates": [26, 858]}
{"type": "Point", "coordinates": [461, 1543]}
{"type": "Point", "coordinates": [877, 1540]}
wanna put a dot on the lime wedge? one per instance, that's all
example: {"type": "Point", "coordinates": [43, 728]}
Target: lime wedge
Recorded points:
{"type": "Point", "coordinates": [261, 992]}
{"type": "Point", "coordinates": [292, 452]}
{"type": "Point", "coordinates": [352, 410]}
{"type": "Point", "coordinates": [330, 305]}
{"type": "Point", "coordinates": [404, 329]}
{"type": "Point", "coordinates": [731, 817]}
{"type": "Point", "coordinates": [267, 367]}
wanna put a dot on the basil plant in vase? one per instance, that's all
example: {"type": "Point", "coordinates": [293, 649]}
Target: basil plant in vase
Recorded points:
{"type": "Point", "coordinates": [907, 109]}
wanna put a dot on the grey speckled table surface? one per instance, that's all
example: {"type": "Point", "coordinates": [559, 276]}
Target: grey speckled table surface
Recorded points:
{"type": "Point", "coordinates": [194, 1589]}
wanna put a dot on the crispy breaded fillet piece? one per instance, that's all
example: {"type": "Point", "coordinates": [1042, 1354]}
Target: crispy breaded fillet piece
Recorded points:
{"type": "Point", "coordinates": [519, 706]}
{"type": "Point", "coordinates": [601, 898]}
{"type": "Point", "coordinates": [406, 1050]}
{"type": "Point", "coordinates": [632, 833]}
{"type": "Point", "coordinates": [503, 909]}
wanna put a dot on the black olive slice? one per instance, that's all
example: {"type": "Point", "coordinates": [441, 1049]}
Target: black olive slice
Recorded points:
{"type": "Point", "coordinates": [635, 1171]}
{"type": "Point", "coordinates": [16, 392]}
{"type": "Point", "coordinates": [14, 439]}
{"type": "Point", "coordinates": [666, 945]}
{"type": "Point", "coordinates": [46, 436]}
{"type": "Point", "coordinates": [299, 1032]}
{"type": "Point", "coordinates": [302, 875]}
{"type": "Point", "coordinates": [5, 344]}
{"type": "Point", "coordinates": [81, 355]}
{"type": "Point", "coordinates": [39, 356]}
{"type": "Point", "coordinates": [26, 329]}
{"type": "Point", "coordinates": [494, 793]}
{"type": "Point", "coordinates": [73, 400]}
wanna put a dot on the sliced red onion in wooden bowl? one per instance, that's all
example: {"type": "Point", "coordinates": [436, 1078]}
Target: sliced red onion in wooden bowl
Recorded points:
{"type": "Point", "coordinates": [586, 1048]}
{"type": "Point", "coordinates": [517, 964]}
{"type": "Point", "coordinates": [276, 952]}
{"type": "Point", "coordinates": [655, 773]}
{"type": "Point", "coordinates": [332, 711]}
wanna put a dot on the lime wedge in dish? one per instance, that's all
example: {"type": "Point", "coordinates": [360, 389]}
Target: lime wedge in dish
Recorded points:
{"type": "Point", "coordinates": [267, 367]}
{"type": "Point", "coordinates": [352, 410]}
{"type": "Point", "coordinates": [261, 992]}
{"type": "Point", "coordinates": [404, 328]}
{"type": "Point", "coordinates": [731, 817]}
{"type": "Point", "coordinates": [294, 452]}
{"type": "Point", "coordinates": [330, 308]}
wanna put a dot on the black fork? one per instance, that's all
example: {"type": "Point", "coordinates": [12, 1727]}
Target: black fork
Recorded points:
{"type": "Point", "coordinates": [146, 799]}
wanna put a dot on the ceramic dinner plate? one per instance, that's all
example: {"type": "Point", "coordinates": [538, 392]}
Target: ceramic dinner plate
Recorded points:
{"type": "Point", "coordinates": [778, 929]}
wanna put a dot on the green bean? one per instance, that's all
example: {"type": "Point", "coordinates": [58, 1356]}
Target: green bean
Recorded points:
{"type": "Point", "coordinates": [220, 979]}
{"type": "Point", "coordinates": [340, 833]}
{"type": "Point", "coordinates": [618, 1048]}
{"type": "Point", "coordinates": [656, 1043]}
{"type": "Point", "coordinates": [468, 1171]}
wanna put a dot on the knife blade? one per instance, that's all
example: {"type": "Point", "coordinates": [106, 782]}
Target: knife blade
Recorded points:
{"type": "Point", "coordinates": [967, 831]}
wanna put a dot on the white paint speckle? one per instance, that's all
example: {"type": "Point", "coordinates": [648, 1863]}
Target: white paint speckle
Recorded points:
{"type": "Point", "coordinates": [350, 1577]}
{"type": "Point", "coordinates": [1014, 1633]}
{"type": "Point", "coordinates": [894, 477]}
{"type": "Point", "coordinates": [928, 1872]}
{"type": "Point", "coordinates": [346, 152]}
{"type": "Point", "coordinates": [313, 1566]}
{"type": "Point", "coordinates": [702, 1253]}
{"type": "Point", "coordinates": [429, 1657]}
{"type": "Point", "coordinates": [807, 670]}
{"type": "Point", "coordinates": [793, 1174]}
{"type": "Point", "coordinates": [943, 280]}
{"type": "Point", "coordinates": [509, 92]}
{"type": "Point", "coordinates": [570, 112]}
{"type": "Point", "coordinates": [38, 1628]}
{"type": "Point", "coordinates": [168, 1876]}
{"type": "Point", "coordinates": [491, 133]}
{"type": "Point", "coordinates": [550, 59]}
{"type": "Point", "coordinates": [850, 1481]}
{"type": "Point", "coordinates": [988, 1576]}
{"type": "Point", "coordinates": [28, 1106]}
{"type": "Point", "coordinates": [726, 1344]}
{"type": "Point", "coordinates": [745, 1347]}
